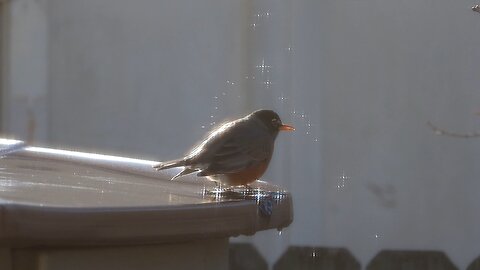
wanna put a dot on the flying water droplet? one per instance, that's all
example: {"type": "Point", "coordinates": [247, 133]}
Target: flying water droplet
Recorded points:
{"type": "Point", "coordinates": [342, 181]}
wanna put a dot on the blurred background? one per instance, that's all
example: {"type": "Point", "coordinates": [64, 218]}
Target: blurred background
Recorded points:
{"type": "Point", "coordinates": [359, 80]}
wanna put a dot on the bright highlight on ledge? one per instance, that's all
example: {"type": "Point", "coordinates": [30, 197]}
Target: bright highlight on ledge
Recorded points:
{"type": "Point", "coordinates": [89, 155]}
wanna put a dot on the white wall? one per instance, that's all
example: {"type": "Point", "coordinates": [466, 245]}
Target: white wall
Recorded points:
{"type": "Point", "coordinates": [359, 80]}
{"type": "Point", "coordinates": [25, 70]}
{"type": "Point", "coordinates": [370, 74]}
{"type": "Point", "coordinates": [158, 63]}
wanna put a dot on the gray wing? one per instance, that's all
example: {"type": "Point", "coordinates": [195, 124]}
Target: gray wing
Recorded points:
{"type": "Point", "coordinates": [244, 147]}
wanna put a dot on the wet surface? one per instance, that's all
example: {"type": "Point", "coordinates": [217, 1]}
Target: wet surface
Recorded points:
{"type": "Point", "coordinates": [30, 180]}
{"type": "Point", "coordinates": [51, 196]}
{"type": "Point", "coordinates": [55, 183]}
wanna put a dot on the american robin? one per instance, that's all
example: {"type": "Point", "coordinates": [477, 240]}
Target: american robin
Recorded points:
{"type": "Point", "coordinates": [236, 153]}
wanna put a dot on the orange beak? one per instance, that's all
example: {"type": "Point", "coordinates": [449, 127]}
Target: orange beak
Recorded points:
{"type": "Point", "coordinates": [286, 128]}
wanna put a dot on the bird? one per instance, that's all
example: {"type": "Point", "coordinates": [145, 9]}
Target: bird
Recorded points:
{"type": "Point", "coordinates": [236, 153]}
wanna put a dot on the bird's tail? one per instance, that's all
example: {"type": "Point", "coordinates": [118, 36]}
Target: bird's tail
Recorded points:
{"type": "Point", "coordinates": [169, 164]}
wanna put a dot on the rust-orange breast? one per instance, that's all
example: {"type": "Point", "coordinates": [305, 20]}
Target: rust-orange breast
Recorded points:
{"type": "Point", "coordinates": [248, 175]}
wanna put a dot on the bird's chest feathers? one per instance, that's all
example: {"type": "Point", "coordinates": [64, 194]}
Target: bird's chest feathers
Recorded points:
{"type": "Point", "coordinates": [243, 177]}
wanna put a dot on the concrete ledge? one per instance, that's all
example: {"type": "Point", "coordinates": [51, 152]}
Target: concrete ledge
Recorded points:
{"type": "Point", "coordinates": [53, 197]}
{"type": "Point", "coordinates": [62, 209]}
{"type": "Point", "coordinates": [203, 255]}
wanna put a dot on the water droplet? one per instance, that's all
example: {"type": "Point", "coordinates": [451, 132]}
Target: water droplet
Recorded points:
{"type": "Point", "coordinates": [279, 232]}
{"type": "Point", "coordinates": [211, 116]}
{"type": "Point", "coordinates": [223, 93]}
{"type": "Point", "coordinates": [342, 181]}
{"type": "Point", "coordinates": [215, 97]}
{"type": "Point", "coordinates": [203, 126]}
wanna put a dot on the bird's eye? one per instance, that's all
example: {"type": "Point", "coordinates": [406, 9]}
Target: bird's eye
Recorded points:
{"type": "Point", "coordinates": [275, 121]}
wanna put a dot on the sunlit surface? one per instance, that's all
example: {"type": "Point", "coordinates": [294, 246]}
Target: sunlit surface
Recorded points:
{"type": "Point", "coordinates": [43, 176]}
{"type": "Point", "coordinates": [9, 142]}
{"type": "Point", "coordinates": [127, 197]}
{"type": "Point", "coordinates": [89, 155]}
{"type": "Point", "coordinates": [41, 182]}
{"type": "Point", "coordinates": [8, 146]}
{"type": "Point", "coordinates": [253, 192]}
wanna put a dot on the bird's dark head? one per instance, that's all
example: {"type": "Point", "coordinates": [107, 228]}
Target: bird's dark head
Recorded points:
{"type": "Point", "coordinates": [271, 120]}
